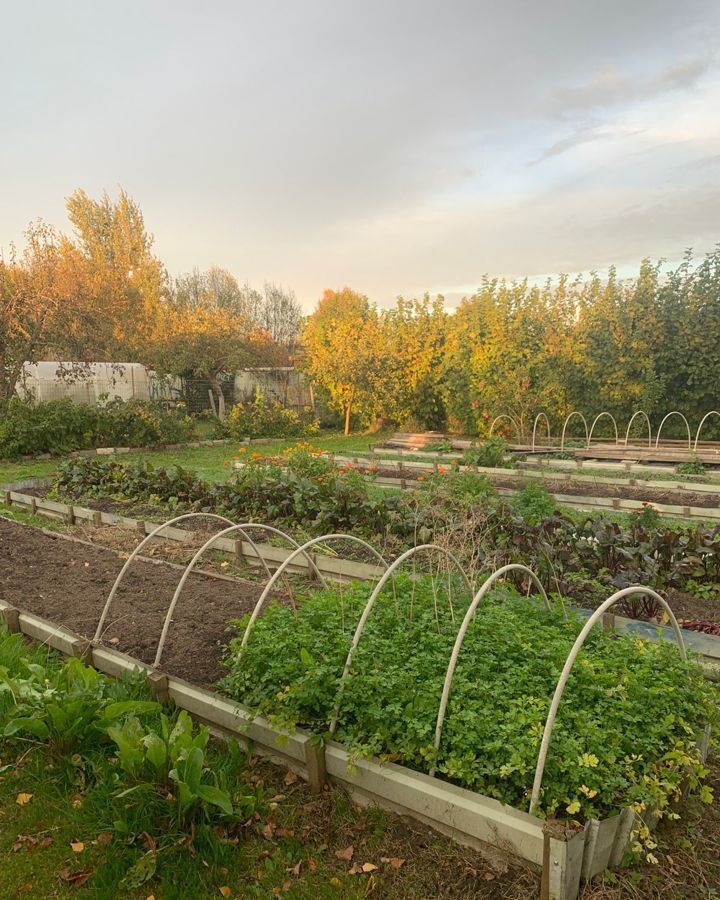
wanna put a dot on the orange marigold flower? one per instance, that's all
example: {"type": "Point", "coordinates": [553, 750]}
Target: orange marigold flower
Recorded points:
{"type": "Point", "coordinates": [421, 478]}
{"type": "Point", "coordinates": [442, 470]}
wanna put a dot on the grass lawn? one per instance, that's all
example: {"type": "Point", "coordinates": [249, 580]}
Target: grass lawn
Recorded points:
{"type": "Point", "coordinates": [208, 462]}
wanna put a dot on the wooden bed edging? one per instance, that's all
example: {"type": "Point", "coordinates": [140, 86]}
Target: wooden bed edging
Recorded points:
{"type": "Point", "coordinates": [467, 817]}
{"type": "Point", "coordinates": [336, 568]}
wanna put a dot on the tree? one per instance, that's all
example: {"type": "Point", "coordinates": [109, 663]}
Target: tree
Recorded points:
{"type": "Point", "coordinates": [340, 341]}
{"type": "Point", "coordinates": [40, 302]}
{"type": "Point", "coordinates": [201, 337]}
{"type": "Point", "coordinates": [123, 283]}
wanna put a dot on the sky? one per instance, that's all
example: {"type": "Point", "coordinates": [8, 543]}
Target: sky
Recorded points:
{"type": "Point", "coordinates": [395, 146]}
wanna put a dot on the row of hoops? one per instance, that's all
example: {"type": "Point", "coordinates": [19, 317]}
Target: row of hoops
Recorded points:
{"type": "Point", "coordinates": [388, 573]}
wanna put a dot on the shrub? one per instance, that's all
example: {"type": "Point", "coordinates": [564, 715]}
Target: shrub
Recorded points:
{"type": "Point", "coordinates": [61, 426]}
{"type": "Point", "coordinates": [267, 418]}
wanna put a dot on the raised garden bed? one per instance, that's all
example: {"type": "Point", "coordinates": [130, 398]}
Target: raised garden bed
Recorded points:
{"type": "Point", "coordinates": [567, 853]}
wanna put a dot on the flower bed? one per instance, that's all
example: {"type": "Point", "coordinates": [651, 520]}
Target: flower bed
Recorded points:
{"type": "Point", "coordinates": [626, 731]}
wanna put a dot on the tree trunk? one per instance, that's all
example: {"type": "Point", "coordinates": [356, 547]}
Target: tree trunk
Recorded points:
{"type": "Point", "coordinates": [347, 418]}
{"type": "Point", "coordinates": [219, 397]}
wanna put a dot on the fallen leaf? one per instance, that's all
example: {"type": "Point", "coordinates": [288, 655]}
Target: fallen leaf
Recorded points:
{"type": "Point", "coordinates": [45, 843]}
{"type": "Point", "coordinates": [277, 798]}
{"type": "Point", "coordinates": [335, 882]}
{"type": "Point", "coordinates": [104, 837]}
{"type": "Point", "coordinates": [148, 841]}
{"type": "Point", "coordinates": [312, 865]}
{"type": "Point", "coordinates": [289, 779]}
{"type": "Point", "coordinates": [489, 876]}
{"type": "Point", "coordinates": [75, 878]}
{"type": "Point", "coordinates": [23, 798]}
{"type": "Point", "coordinates": [296, 868]}
{"type": "Point", "coordinates": [369, 867]}
{"type": "Point", "coordinates": [396, 862]}
{"type": "Point", "coordinates": [225, 891]}
{"type": "Point", "coordinates": [346, 854]}
{"type": "Point", "coordinates": [355, 869]}
{"type": "Point", "coordinates": [77, 846]}
{"type": "Point", "coordinates": [114, 640]}
{"type": "Point", "coordinates": [268, 831]}
{"type": "Point", "coordinates": [25, 888]}
{"type": "Point", "coordinates": [77, 802]}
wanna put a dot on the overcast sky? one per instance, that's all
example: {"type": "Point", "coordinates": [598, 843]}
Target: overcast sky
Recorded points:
{"type": "Point", "coordinates": [397, 146]}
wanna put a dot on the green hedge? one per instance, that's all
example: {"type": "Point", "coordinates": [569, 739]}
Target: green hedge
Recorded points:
{"type": "Point", "coordinates": [61, 426]}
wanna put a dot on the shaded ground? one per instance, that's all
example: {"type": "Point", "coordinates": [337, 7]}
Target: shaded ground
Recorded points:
{"type": "Point", "coordinates": [68, 583]}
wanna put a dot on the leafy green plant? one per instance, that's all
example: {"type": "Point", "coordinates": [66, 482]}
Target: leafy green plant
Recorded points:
{"type": "Point", "coordinates": [67, 709]}
{"type": "Point", "coordinates": [625, 731]}
{"type": "Point", "coordinates": [533, 503]}
{"type": "Point", "coordinates": [171, 758]}
{"type": "Point", "coordinates": [61, 426]}
{"type": "Point", "coordinates": [266, 417]}
{"type": "Point", "coordinates": [491, 454]}
{"type": "Point", "coordinates": [443, 446]}
{"type": "Point", "coordinates": [693, 467]}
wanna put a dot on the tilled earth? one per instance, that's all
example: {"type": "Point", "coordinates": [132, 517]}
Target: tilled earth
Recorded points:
{"type": "Point", "coordinates": [68, 583]}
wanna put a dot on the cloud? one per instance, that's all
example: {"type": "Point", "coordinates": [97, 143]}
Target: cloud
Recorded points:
{"type": "Point", "coordinates": [611, 88]}
{"type": "Point", "coordinates": [395, 146]}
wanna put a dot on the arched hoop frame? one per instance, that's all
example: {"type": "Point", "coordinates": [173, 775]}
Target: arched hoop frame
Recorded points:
{"type": "Point", "coordinates": [634, 416]}
{"type": "Point", "coordinates": [435, 548]}
{"type": "Point", "coordinates": [477, 600]}
{"type": "Point", "coordinates": [596, 420]}
{"type": "Point", "coordinates": [565, 425]}
{"type": "Point", "coordinates": [303, 549]}
{"type": "Point", "coordinates": [535, 423]}
{"type": "Point", "coordinates": [243, 528]}
{"type": "Point", "coordinates": [146, 540]}
{"type": "Point", "coordinates": [713, 412]}
{"type": "Point", "coordinates": [569, 662]}
{"type": "Point", "coordinates": [687, 425]}
{"type": "Point", "coordinates": [510, 419]}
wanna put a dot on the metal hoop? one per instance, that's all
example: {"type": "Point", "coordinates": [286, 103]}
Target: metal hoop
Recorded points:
{"type": "Point", "coordinates": [640, 412]}
{"type": "Point", "coordinates": [576, 647]}
{"type": "Point", "coordinates": [191, 565]}
{"type": "Point", "coordinates": [510, 419]}
{"type": "Point", "coordinates": [687, 425]}
{"type": "Point", "coordinates": [592, 427]}
{"type": "Point", "coordinates": [547, 422]}
{"type": "Point", "coordinates": [713, 412]}
{"type": "Point", "coordinates": [143, 542]}
{"type": "Point", "coordinates": [269, 586]}
{"type": "Point", "coordinates": [477, 599]}
{"type": "Point", "coordinates": [573, 413]}
{"type": "Point", "coordinates": [368, 607]}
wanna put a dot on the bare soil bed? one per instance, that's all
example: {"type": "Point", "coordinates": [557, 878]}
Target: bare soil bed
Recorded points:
{"type": "Point", "coordinates": [68, 583]}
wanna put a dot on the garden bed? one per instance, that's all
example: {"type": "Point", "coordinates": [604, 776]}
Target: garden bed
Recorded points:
{"type": "Point", "coordinates": [567, 854]}
{"type": "Point", "coordinates": [68, 582]}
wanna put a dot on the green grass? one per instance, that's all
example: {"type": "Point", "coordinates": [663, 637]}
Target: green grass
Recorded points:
{"type": "Point", "coordinates": [208, 462]}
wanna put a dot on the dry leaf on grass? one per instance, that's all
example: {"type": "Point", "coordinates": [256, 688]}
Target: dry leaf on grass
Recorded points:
{"type": "Point", "coordinates": [395, 861]}
{"type": "Point", "coordinates": [23, 798]}
{"type": "Point", "coordinates": [225, 890]}
{"type": "Point", "coordinates": [77, 846]}
{"type": "Point", "coordinates": [290, 778]}
{"type": "Point", "coordinates": [346, 854]}
{"type": "Point", "coordinates": [75, 878]}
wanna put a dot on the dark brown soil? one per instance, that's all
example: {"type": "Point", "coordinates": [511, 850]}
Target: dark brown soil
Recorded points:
{"type": "Point", "coordinates": [688, 607]}
{"type": "Point", "coordinates": [68, 583]}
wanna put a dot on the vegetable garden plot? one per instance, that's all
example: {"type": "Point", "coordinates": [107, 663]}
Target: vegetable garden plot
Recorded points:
{"type": "Point", "coordinates": [469, 815]}
{"type": "Point", "coordinates": [626, 729]}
